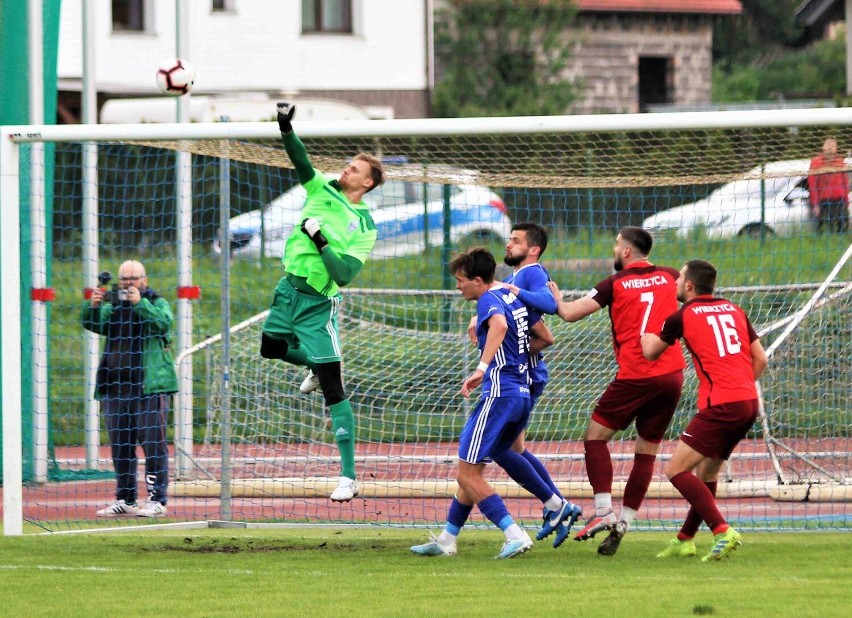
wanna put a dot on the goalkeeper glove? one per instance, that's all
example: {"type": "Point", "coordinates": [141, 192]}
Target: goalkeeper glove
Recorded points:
{"type": "Point", "coordinates": [286, 111]}
{"type": "Point", "coordinates": [312, 229]}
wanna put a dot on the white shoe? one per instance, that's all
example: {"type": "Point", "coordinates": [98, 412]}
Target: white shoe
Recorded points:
{"type": "Point", "coordinates": [516, 547]}
{"type": "Point", "coordinates": [119, 509]}
{"type": "Point", "coordinates": [310, 383]}
{"type": "Point", "coordinates": [434, 548]}
{"type": "Point", "coordinates": [345, 491]}
{"type": "Point", "coordinates": [152, 509]}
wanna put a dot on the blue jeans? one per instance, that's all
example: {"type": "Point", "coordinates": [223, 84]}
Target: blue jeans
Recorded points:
{"type": "Point", "coordinates": [133, 421]}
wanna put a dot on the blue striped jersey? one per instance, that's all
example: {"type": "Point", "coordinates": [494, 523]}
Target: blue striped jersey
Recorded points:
{"type": "Point", "coordinates": [508, 373]}
{"type": "Point", "coordinates": [532, 279]}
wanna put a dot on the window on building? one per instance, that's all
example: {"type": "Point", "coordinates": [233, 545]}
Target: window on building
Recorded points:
{"type": "Point", "coordinates": [128, 15]}
{"type": "Point", "coordinates": [655, 82]}
{"type": "Point", "coordinates": [222, 6]}
{"type": "Point", "coordinates": [326, 15]}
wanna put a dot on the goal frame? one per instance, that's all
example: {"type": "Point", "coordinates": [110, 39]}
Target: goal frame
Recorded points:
{"type": "Point", "coordinates": [12, 137]}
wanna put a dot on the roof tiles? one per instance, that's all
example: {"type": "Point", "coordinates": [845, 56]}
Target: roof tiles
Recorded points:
{"type": "Point", "coordinates": [719, 7]}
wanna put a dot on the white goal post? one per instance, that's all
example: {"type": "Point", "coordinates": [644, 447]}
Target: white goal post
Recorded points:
{"type": "Point", "coordinates": [505, 170]}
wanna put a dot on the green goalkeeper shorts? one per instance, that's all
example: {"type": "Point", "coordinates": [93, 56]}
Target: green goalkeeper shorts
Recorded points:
{"type": "Point", "coordinates": [305, 321]}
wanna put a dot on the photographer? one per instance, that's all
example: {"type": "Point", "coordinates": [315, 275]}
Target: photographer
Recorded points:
{"type": "Point", "coordinates": [135, 377]}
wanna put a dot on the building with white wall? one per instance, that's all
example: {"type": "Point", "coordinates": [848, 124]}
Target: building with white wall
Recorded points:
{"type": "Point", "coordinates": [372, 53]}
{"type": "Point", "coordinates": [377, 55]}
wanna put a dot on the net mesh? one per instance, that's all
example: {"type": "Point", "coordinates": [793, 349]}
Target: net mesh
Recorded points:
{"type": "Point", "coordinates": [404, 327]}
{"type": "Point", "coordinates": [606, 159]}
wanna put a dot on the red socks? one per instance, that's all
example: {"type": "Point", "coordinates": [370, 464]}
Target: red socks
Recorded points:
{"type": "Point", "coordinates": [639, 480]}
{"type": "Point", "coordinates": [701, 499]}
{"type": "Point", "coordinates": [598, 466]}
{"type": "Point", "coordinates": [693, 522]}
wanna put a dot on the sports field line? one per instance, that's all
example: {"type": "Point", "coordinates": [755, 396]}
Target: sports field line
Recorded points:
{"type": "Point", "coordinates": [172, 571]}
{"type": "Point", "coordinates": [428, 572]}
{"type": "Point", "coordinates": [103, 569]}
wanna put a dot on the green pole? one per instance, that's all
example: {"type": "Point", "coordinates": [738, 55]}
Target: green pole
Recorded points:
{"type": "Point", "coordinates": [50, 23]}
{"type": "Point", "coordinates": [14, 109]}
{"type": "Point", "coordinates": [14, 93]}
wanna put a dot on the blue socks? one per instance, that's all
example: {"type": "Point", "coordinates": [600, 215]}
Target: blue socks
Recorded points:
{"type": "Point", "coordinates": [541, 470]}
{"type": "Point", "coordinates": [457, 516]}
{"type": "Point", "coordinates": [495, 510]}
{"type": "Point", "coordinates": [524, 473]}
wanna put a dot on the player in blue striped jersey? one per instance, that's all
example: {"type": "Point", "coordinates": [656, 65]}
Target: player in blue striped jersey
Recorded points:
{"type": "Point", "coordinates": [502, 331]}
{"type": "Point", "coordinates": [528, 281]}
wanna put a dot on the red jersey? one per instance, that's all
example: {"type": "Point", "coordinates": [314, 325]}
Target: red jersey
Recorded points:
{"type": "Point", "coordinates": [719, 336]}
{"type": "Point", "coordinates": [639, 298]}
{"type": "Point", "coordinates": [830, 187]}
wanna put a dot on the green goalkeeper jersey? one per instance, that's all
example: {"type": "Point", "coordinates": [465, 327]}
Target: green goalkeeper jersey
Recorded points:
{"type": "Point", "coordinates": [349, 229]}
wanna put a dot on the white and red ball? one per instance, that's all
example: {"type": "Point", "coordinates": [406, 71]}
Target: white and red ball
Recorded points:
{"type": "Point", "coordinates": [175, 77]}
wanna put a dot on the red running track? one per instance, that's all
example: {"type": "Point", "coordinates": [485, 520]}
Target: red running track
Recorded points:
{"type": "Point", "coordinates": [72, 504]}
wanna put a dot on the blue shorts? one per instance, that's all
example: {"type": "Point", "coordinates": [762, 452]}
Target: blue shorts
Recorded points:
{"type": "Point", "coordinates": [536, 391]}
{"type": "Point", "coordinates": [492, 428]}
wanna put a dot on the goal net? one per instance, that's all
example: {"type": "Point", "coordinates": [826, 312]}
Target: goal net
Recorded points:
{"type": "Point", "coordinates": [247, 446]}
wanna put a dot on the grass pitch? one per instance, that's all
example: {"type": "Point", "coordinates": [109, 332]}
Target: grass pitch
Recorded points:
{"type": "Point", "coordinates": [370, 572]}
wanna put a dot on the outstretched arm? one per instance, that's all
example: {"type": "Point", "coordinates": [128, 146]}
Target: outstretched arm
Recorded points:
{"type": "Point", "coordinates": [534, 294]}
{"type": "Point", "coordinates": [575, 310]}
{"type": "Point", "coordinates": [299, 156]}
{"type": "Point", "coordinates": [540, 300]}
{"type": "Point", "coordinates": [293, 145]}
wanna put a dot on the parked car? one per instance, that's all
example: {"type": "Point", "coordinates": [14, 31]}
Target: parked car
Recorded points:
{"type": "Point", "coordinates": [735, 208]}
{"type": "Point", "coordinates": [402, 210]}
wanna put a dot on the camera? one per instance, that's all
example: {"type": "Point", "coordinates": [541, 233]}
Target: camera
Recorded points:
{"type": "Point", "coordinates": [114, 296]}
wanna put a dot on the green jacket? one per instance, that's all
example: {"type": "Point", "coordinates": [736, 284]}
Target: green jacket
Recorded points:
{"type": "Point", "coordinates": [157, 360]}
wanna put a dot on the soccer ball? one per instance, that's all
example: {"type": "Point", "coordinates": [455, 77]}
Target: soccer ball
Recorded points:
{"type": "Point", "coordinates": [175, 77]}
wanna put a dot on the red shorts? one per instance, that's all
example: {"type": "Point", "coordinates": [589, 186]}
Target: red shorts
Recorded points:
{"type": "Point", "coordinates": [715, 431]}
{"type": "Point", "coordinates": [650, 401]}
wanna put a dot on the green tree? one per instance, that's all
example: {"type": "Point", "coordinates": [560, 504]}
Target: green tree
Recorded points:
{"type": "Point", "coordinates": [761, 55]}
{"type": "Point", "coordinates": [817, 71]}
{"type": "Point", "coordinates": [502, 58]}
{"type": "Point", "coordinates": [763, 32]}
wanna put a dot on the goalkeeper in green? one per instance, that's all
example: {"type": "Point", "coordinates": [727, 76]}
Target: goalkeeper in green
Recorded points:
{"type": "Point", "coordinates": [325, 252]}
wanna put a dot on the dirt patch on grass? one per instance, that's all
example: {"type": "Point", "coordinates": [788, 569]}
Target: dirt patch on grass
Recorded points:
{"type": "Point", "coordinates": [237, 546]}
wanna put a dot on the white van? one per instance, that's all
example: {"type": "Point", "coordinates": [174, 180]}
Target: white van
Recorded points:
{"type": "Point", "coordinates": [251, 107]}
